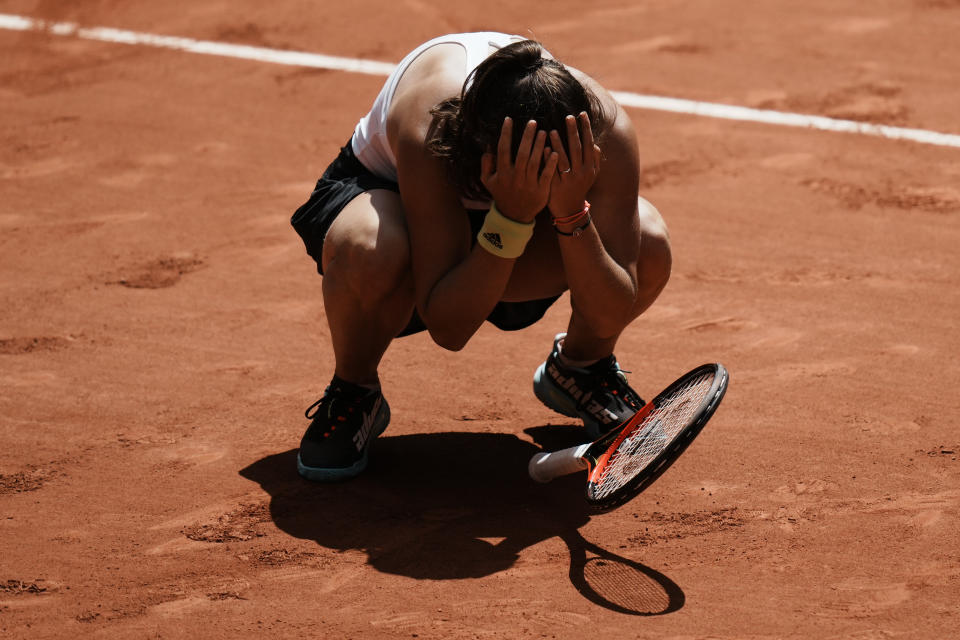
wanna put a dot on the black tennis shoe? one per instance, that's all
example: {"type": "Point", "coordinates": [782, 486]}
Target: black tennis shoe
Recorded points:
{"type": "Point", "coordinates": [345, 421]}
{"type": "Point", "coordinates": [598, 394]}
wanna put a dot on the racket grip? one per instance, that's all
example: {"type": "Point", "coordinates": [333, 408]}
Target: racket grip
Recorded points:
{"type": "Point", "coordinates": [544, 467]}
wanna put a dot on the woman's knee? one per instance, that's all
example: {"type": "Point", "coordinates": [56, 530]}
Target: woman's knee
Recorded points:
{"type": "Point", "coordinates": [367, 247]}
{"type": "Point", "coordinates": [656, 258]}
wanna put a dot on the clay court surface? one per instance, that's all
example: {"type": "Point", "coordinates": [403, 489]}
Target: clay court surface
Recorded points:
{"type": "Point", "coordinates": [162, 331]}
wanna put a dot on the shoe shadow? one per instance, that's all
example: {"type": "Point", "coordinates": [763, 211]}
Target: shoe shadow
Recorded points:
{"type": "Point", "coordinates": [448, 506]}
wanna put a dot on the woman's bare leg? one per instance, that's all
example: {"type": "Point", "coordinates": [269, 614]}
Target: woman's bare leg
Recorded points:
{"type": "Point", "coordinates": [367, 286]}
{"type": "Point", "coordinates": [580, 378]}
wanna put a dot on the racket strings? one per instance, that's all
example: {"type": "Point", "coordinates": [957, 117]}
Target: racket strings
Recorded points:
{"type": "Point", "coordinates": [653, 435]}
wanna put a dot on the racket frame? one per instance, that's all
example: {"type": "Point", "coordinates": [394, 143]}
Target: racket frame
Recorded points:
{"type": "Point", "coordinates": [600, 451]}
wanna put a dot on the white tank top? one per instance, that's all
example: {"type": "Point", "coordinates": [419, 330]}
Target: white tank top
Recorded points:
{"type": "Point", "coordinates": [370, 143]}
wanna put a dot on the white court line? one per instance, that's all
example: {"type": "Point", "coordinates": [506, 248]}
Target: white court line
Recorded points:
{"type": "Point", "coordinates": [262, 54]}
{"type": "Point", "coordinates": [354, 65]}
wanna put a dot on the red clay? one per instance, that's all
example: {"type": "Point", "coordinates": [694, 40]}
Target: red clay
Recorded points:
{"type": "Point", "coordinates": [162, 331]}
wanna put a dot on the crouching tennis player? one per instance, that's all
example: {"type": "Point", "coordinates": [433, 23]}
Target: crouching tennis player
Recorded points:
{"type": "Point", "coordinates": [487, 179]}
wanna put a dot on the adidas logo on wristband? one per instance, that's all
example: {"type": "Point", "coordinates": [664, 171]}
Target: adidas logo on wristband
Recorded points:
{"type": "Point", "coordinates": [494, 239]}
{"type": "Point", "coordinates": [502, 236]}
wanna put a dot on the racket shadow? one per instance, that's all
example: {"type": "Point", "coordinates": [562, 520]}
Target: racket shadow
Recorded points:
{"type": "Point", "coordinates": [441, 506]}
{"type": "Point", "coordinates": [601, 576]}
{"type": "Point", "coordinates": [618, 583]}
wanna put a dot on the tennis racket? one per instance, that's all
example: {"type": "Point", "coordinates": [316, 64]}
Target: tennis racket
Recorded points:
{"type": "Point", "coordinates": [628, 459]}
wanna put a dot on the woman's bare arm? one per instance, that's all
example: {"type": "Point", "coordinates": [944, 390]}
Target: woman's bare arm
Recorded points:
{"type": "Point", "coordinates": [456, 286]}
{"type": "Point", "coordinates": [601, 264]}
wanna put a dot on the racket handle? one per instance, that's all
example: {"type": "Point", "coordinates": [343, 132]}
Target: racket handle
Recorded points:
{"type": "Point", "coordinates": [544, 467]}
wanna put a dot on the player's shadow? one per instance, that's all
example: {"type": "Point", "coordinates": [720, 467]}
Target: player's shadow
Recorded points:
{"type": "Point", "coordinates": [446, 506]}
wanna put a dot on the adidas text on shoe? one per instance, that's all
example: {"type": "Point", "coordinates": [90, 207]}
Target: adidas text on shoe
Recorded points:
{"type": "Point", "coordinates": [598, 394]}
{"type": "Point", "coordinates": [346, 420]}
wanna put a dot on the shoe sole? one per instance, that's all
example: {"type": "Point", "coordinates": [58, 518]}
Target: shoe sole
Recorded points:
{"type": "Point", "coordinates": [334, 474]}
{"type": "Point", "coordinates": [557, 399]}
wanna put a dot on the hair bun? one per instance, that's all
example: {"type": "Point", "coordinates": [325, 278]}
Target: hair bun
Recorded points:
{"type": "Point", "coordinates": [526, 55]}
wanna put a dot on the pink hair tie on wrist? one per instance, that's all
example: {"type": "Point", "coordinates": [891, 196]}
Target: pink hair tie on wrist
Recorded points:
{"type": "Point", "coordinates": [574, 218]}
{"type": "Point", "coordinates": [581, 220]}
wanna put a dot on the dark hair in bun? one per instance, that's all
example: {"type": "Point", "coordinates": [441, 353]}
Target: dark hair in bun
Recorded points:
{"type": "Point", "coordinates": [515, 81]}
